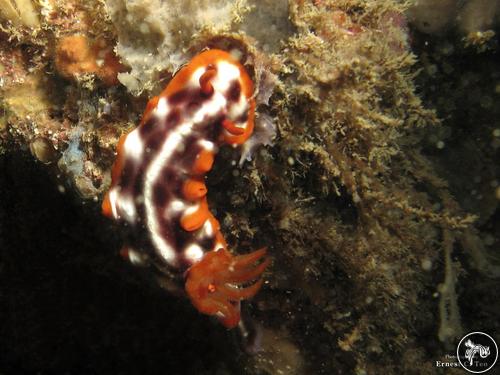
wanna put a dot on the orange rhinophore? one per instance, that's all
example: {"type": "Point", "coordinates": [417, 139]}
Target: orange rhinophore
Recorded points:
{"type": "Point", "coordinates": [158, 186]}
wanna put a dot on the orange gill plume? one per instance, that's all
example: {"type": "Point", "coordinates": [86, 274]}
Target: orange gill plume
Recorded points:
{"type": "Point", "coordinates": [218, 283]}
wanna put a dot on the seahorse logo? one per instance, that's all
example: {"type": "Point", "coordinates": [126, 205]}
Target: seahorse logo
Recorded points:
{"type": "Point", "coordinates": [473, 349]}
{"type": "Point", "coordinates": [477, 352]}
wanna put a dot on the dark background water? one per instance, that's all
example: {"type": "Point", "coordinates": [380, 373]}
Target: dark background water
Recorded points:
{"type": "Point", "coordinates": [70, 304]}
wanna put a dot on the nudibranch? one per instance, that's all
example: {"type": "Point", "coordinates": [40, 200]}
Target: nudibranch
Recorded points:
{"type": "Point", "coordinates": [158, 183]}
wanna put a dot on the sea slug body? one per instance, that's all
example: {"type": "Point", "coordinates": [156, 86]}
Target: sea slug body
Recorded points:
{"type": "Point", "coordinates": [158, 187]}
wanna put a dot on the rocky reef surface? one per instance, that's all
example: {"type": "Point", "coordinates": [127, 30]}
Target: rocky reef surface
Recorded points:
{"type": "Point", "coordinates": [378, 199]}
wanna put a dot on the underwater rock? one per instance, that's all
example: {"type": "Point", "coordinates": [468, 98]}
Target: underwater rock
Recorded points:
{"type": "Point", "coordinates": [153, 35]}
{"type": "Point", "coordinates": [76, 55]}
{"type": "Point", "coordinates": [470, 16]}
{"type": "Point", "coordinates": [20, 12]}
{"type": "Point", "coordinates": [156, 36]}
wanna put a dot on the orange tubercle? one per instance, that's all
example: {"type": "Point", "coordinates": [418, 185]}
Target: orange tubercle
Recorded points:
{"type": "Point", "coordinates": [231, 127]}
{"type": "Point", "coordinates": [238, 139]}
{"type": "Point", "coordinates": [194, 189]}
{"type": "Point", "coordinates": [106, 207]}
{"type": "Point", "coordinates": [203, 162]}
{"type": "Point", "coordinates": [205, 85]}
{"type": "Point", "coordinates": [195, 220]}
{"type": "Point", "coordinates": [215, 284]}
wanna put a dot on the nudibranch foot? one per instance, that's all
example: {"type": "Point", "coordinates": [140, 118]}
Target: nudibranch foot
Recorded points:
{"type": "Point", "coordinates": [216, 284]}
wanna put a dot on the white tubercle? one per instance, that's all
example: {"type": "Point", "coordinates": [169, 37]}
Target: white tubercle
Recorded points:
{"type": "Point", "coordinates": [133, 145]}
{"type": "Point", "coordinates": [126, 207]}
{"type": "Point", "coordinates": [193, 252]}
{"type": "Point", "coordinates": [161, 108]}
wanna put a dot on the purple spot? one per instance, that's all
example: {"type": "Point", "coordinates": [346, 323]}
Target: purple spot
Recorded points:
{"type": "Point", "coordinates": [127, 174]}
{"type": "Point", "coordinates": [243, 118]}
{"type": "Point", "coordinates": [234, 91]}
{"type": "Point", "coordinates": [159, 195]}
{"type": "Point", "coordinates": [207, 243]}
{"type": "Point", "coordinates": [179, 97]}
{"type": "Point", "coordinates": [194, 105]}
{"type": "Point", "coordinates": [148, 127]}
{"type": "Point", "coordinates": [155, 141]}
{"type": "Point", "coordinates": [173, 118]}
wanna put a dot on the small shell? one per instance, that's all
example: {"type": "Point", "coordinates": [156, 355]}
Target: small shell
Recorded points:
{"type": "Point", "coordinates": [42, 149]}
